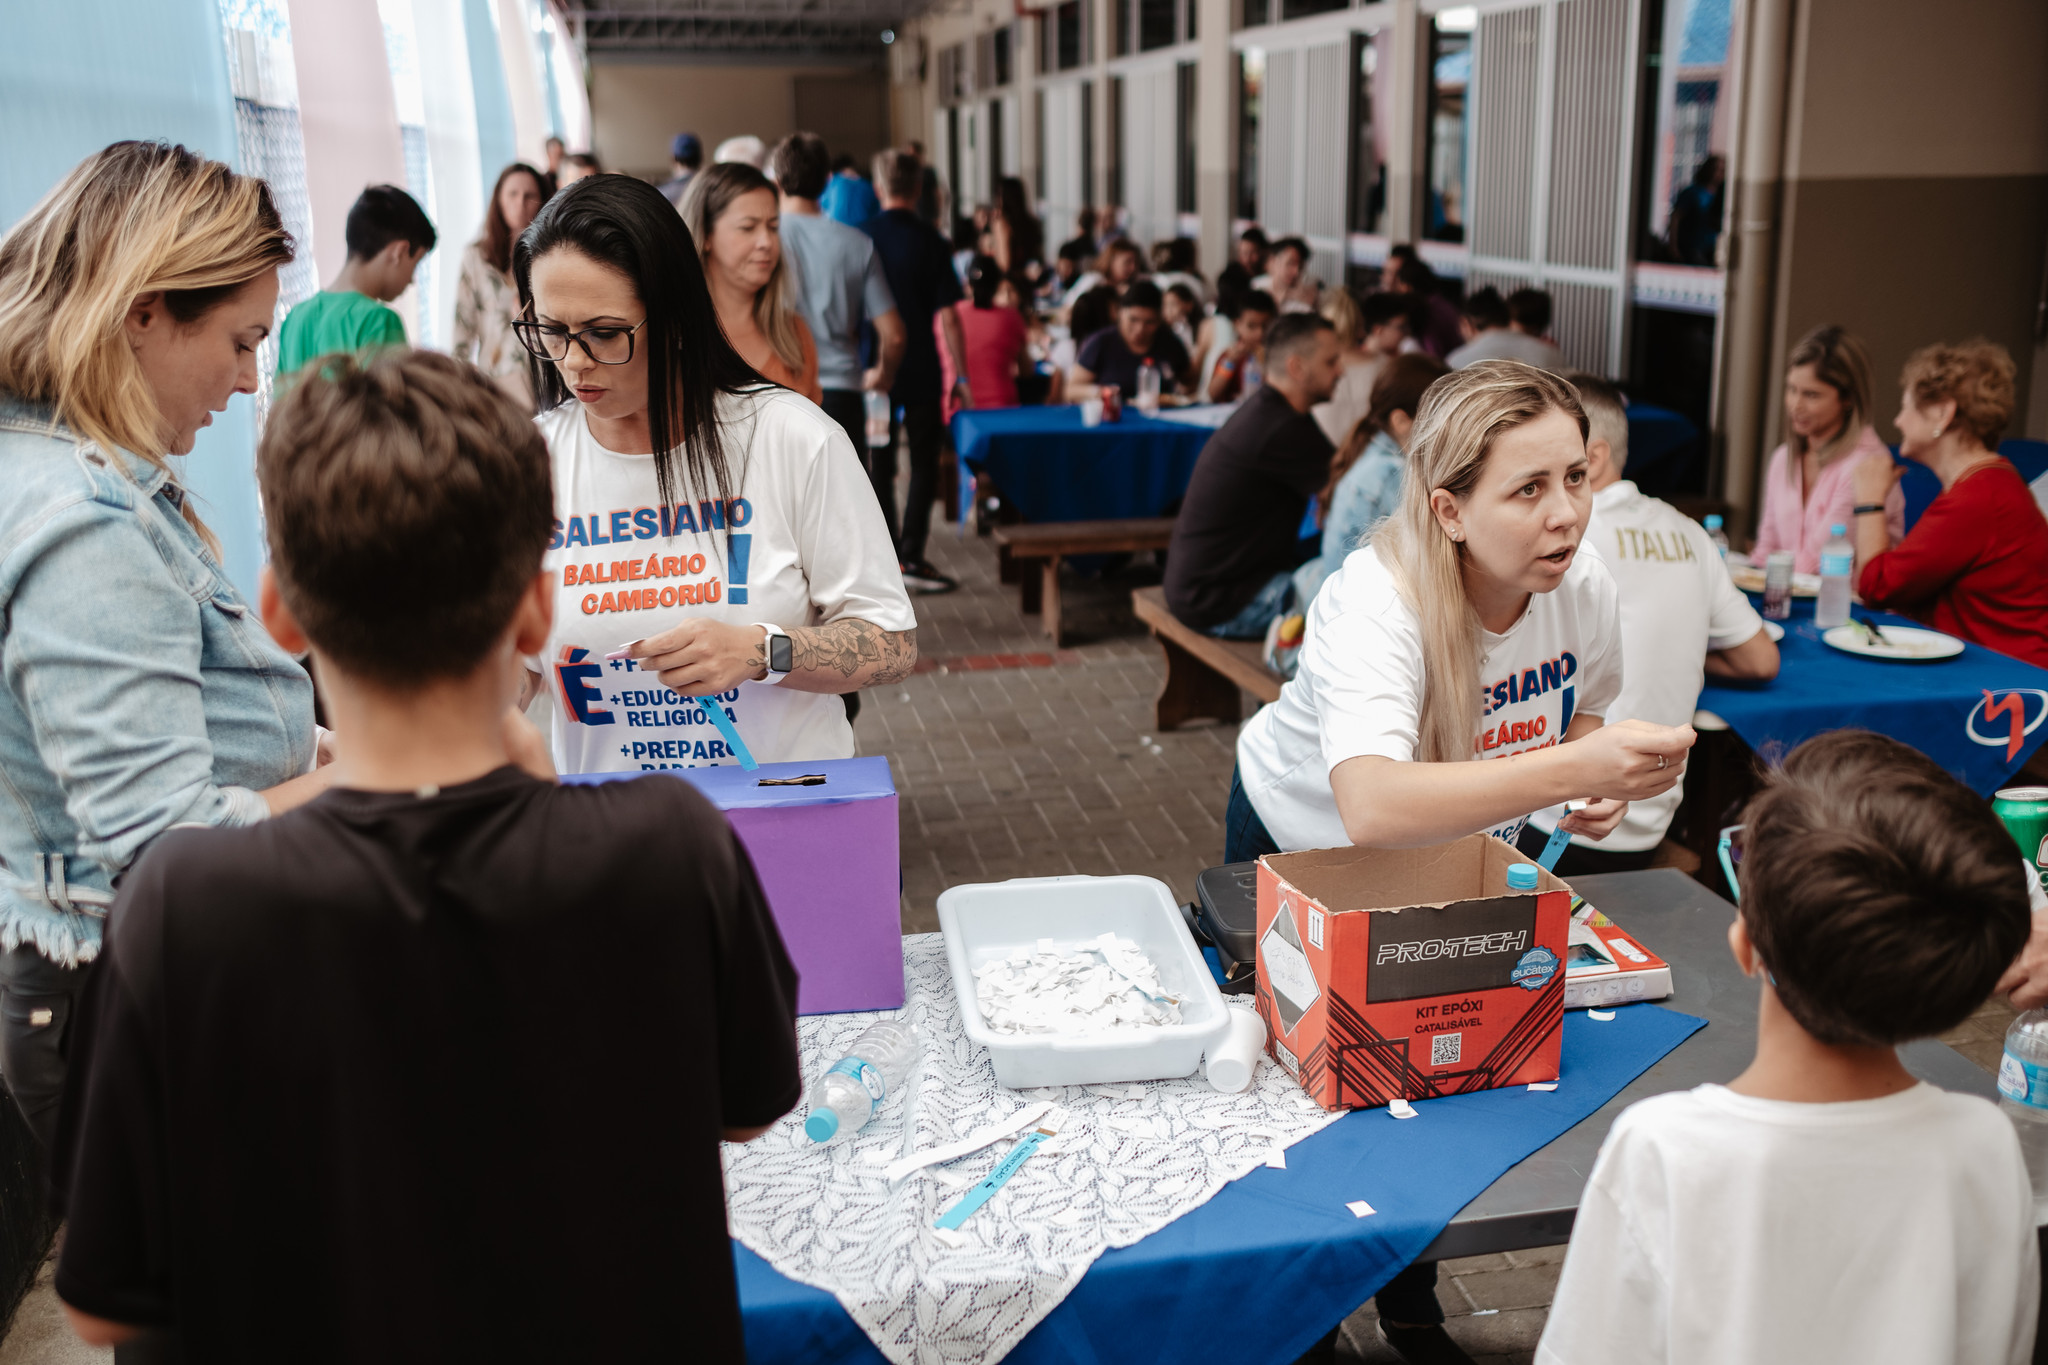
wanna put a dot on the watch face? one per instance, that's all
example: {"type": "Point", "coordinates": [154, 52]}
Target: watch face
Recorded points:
{"type": "Point", "coordinates": [778, 653]}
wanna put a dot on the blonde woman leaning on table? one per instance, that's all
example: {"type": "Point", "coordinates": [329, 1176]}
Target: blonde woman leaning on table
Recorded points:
{"type": "Point", "coordinates": [1809, 485]}
{"type": "Point", "coordinates": [1469, 628]}
{"type": "Point", "coordinates": [718, 534]}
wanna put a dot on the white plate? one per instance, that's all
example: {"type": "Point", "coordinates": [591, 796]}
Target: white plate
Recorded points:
{"type": "Point", "coordinates": [1774, 630]}
{"type": "Point", "coordinates": [1749, 578]}
{"type": "Point", "coordinates": [1904, 644]}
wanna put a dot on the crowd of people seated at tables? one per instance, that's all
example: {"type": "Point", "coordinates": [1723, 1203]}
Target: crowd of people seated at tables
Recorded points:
{"type": "Point", "coordinates": [1452, 461]}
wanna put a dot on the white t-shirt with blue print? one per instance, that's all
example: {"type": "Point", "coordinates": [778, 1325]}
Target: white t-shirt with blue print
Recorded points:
{"type": "Point", "coordinates": [802, 543]}
{"type": "Point", "coordinates": [1358, 690]}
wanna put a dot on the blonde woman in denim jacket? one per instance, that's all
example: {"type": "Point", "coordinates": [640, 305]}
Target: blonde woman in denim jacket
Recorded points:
{"type": "Point", "coordinates": [140, 691]}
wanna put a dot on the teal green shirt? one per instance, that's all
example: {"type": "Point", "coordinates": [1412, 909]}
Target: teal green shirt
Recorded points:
{"type": "Point", "coordinates": [329, 322]}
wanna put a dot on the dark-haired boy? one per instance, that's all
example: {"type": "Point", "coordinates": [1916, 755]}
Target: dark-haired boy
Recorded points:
{"type": "Point", "coordinates": [435, 1067]}
{"type": "Point", "coordinates": [387, 235]}
{"type": "Point", "coordinates": [1825, 1206]}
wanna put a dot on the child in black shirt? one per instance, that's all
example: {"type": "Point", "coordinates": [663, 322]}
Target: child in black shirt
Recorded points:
{"type": "Point", "coordinates": [436, 1066]}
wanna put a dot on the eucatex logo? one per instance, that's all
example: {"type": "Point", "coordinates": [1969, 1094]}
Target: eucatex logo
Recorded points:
{"type": "Point", "coordinates": [2015, 712]}
{"type": "Point", "coordinates": [1473, 945]}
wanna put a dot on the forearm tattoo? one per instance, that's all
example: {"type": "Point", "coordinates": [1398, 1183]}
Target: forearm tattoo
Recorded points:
{"type": "Point", "coordinates": [854, 647]}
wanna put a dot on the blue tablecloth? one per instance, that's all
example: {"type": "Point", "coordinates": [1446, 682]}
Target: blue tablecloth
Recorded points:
{"type": "Point", "coordinates": [1051, 468]}
{"type": "Point", "coordinates": [1938, 708]}
{"type": "Point", "coordinates": [1275, 1259]}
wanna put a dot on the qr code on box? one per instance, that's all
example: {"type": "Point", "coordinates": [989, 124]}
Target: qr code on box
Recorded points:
{"type": "Point", "coordinates": [1444, 1049]}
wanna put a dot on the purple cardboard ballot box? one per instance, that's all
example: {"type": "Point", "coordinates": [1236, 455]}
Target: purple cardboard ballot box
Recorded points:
{"type": "Point", "coordinates": [828, 859]}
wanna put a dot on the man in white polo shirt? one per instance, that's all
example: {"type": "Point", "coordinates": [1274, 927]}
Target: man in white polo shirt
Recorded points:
{"type": "Point", "coordinates": [1681, 619]}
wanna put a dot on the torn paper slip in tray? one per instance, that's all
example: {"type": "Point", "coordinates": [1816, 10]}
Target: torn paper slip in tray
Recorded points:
{"type": "Point", "coordinates": [1106, 983]}
{"type": "Point", "coordinates": [1118, 1171]}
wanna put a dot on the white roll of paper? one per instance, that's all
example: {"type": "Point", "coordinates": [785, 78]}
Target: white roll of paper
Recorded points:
{"type": "Point", "coordinates": [1231, 1063]}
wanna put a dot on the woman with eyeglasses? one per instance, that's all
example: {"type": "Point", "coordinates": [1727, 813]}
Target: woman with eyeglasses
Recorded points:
{"type": "Point", "coordinates": [734, 216]}
{"type": "Point", "coordinates": [717, 537]}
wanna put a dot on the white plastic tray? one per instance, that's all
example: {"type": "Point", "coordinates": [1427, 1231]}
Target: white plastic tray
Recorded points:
{"type": "Point", "coordinates": [986, 920]}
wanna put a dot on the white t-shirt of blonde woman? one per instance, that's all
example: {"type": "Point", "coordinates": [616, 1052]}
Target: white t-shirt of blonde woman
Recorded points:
{"type": "Point", "coordinates": [1357, 690]}
{"type": "Point", "coordinates": [800, 543]}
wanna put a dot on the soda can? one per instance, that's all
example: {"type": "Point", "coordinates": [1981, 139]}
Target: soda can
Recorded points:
{"type": "Point", "coordinates": [1778, 585]}
{"type": "Point", "coordinates": [1112, 403]}
{"type": "Point", "coordinates": [2025, 812]}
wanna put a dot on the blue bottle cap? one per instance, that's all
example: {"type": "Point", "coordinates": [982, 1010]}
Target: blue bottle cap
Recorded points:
{"type": "Point", "coordinates": [1522, 877]}
{"type": "Point", "coordinates": [822, 1125]}
{"type": "Point", "coordinates": [1713, 521]}
{"type": "Point", "coordinates": [1838, 531]}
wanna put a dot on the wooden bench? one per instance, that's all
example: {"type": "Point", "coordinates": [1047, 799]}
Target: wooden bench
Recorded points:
{"type": "Point", "coordinates": [1203, 673]}
{"type": "Point", "coordinates": [1052, 541]}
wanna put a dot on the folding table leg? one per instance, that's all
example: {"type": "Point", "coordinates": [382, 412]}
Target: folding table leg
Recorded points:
{"type": "Point", "coordinates": [1192, 690]}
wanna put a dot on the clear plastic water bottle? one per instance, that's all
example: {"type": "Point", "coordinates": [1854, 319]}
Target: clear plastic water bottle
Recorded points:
{"type": "Point", "coordinates": [856, 1085]}
{"type": "Point", "coordinates": [878, 417]}
{"type": "Point", "coordinates": [2023, 1095]}
{"type": "Point", "coordinates": [1714, 533]}
{"type": "Point", "coordinates": [1837, 564]}
{"type": "Point", "coordinates": [1147, 397]}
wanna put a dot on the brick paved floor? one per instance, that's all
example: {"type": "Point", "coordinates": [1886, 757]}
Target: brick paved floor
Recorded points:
{"type": "Point", "coordinates": [1044, 770]}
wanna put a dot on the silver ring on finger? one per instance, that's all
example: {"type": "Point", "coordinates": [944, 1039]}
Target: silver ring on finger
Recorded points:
{"type": "Point", "coordinates": [1660, 763]}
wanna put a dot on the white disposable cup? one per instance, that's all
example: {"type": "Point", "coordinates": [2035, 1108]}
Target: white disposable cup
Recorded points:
{"type": "Point", "coordinates": [1091, 413]}
{"type": "Point", "coordinates": [1231, 1063]}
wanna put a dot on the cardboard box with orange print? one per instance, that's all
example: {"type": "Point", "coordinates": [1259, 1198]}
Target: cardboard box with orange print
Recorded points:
{"type": "Point", "coordinates": [1411, 973]}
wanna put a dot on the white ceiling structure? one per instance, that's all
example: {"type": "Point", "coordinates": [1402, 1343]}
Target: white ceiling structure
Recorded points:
{"type": "Point", "coordinates": [787, 27]}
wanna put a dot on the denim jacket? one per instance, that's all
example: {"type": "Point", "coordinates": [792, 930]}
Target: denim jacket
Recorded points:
{"type": "Point", "coordinates": [1369, 492]}
{"type": "Point", "coordinates": [140, 690]}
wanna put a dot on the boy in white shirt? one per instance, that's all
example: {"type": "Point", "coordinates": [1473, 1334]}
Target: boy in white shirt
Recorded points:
{"type": "Point", "coordinates": [1824, 1206]}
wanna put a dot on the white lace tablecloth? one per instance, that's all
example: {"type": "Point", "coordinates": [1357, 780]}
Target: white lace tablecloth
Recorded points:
{"type": "Point", "coordinates": [1128, 1160]}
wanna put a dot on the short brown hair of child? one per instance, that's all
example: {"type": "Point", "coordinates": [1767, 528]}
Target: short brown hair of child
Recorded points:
{"type": "Point", "coordinates": [1883, 896]}
{"type": "Point", "coordinates": [409, 502]}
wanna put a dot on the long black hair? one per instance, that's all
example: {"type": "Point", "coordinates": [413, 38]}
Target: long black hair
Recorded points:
{"type": "Point", "coordinates": [626, 224]}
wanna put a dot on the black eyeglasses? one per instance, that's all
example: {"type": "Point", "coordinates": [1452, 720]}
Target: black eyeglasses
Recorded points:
{"type": "Point", "coordinates": [604, 345]}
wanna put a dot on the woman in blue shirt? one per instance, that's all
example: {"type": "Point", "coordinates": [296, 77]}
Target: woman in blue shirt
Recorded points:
{"type": "Point", "coordinates": [1365, 475]}
{"type": "Point", "coordinates": [140, 690]}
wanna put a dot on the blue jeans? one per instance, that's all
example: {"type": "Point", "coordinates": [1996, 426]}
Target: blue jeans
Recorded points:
{"type": "Point", "coordinates": [1245, 837]}
{"type": "Point", "coordinates": [1250, 624]}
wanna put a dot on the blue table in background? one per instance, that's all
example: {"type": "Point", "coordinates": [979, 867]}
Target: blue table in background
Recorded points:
{"type": "Point", "coordinates": [1051, 468]}
{"type": "Point", "coordinates": [1938, 708]}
